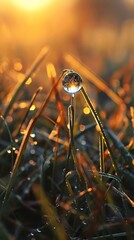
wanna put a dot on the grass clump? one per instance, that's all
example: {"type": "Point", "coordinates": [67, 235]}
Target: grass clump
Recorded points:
{"type": "Point", "coordinates": [61, 176]}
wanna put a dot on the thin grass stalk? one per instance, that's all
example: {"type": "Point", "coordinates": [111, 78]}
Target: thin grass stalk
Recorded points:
{"type": "Point", "coordinates": [25, 140]}
{"type": "Point", "coordinates": [28, 109]}
{"type": "Point", "coordinates": [97, 119]}
{"type": "Point", "coordinates": [29, 73]}
{"type": "Point", "coordinates": [49, 210]}
{"type": "Point", "coordinates": [71, 128]}
{"type": "Point", "coordinates": [10, 137]}
{"type": "Point", "coordinates": [101, 152]}
{"type": "Point", "coordinates": [10, 146]}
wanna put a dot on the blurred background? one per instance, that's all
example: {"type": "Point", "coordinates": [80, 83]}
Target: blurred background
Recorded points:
{"type": "Point", "coordinates": [90, 28]}
{"type": "Point", "coordinates": [99, 33]}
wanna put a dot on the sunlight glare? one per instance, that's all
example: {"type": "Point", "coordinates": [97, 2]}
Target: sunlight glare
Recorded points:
{"type": "Point", "coordinates": [31, 5]}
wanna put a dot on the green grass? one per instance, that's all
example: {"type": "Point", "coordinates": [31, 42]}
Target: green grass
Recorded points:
{"type": "Point", "coordinates": [63, 178]}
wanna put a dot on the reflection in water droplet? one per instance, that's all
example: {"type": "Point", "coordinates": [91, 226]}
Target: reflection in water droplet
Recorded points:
{"type": "Point", "coordinates": [38, 230]}
{"type": "Point", "coordinates": [72, 82]}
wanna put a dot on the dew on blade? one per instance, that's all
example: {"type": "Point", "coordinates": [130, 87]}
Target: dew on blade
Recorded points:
{"type": "Point", "coordinates": [72, 82]}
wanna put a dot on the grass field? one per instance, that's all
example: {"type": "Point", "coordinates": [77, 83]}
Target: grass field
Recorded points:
{"type": "Point", "coordinates": [67, 158]}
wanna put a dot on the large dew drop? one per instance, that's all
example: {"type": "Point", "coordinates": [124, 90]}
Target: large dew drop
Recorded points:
{"type": "Point", "coordinates": [72, 82]}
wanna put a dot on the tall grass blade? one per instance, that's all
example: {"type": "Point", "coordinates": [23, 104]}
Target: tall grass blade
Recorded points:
{"type": "Point", "coordinates": [97, 119]}
{"type": "Point", "coordinates": [25, 140]}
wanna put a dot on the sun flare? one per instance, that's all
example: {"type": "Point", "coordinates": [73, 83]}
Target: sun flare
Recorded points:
{"type": "Point", "coordinates": [31, 5]}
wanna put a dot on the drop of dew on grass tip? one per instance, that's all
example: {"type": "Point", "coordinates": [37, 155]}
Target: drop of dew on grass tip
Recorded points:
{"type": "Point", "coordinates": [72, 82]}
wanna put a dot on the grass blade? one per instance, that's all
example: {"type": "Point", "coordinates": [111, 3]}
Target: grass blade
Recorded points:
{"type": "Point", "coordinates": [34, 66]}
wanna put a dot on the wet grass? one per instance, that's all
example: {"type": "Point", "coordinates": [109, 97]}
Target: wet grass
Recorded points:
{"type": "Point", "coordinates": [66, 174]}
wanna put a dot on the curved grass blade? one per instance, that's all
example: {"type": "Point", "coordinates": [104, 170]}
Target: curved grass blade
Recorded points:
{"type": "Point", "coordinates": [123, 151]}
{"type": "Point", "coordinates": [97, 119]}
{"type": "Point", "coordinates": [93, 78]}
{"type": "Point", "coordinates": [25, 140]}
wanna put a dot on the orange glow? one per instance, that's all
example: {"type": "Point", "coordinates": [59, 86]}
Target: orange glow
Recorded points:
{"type": "Point", "coordinates": [17, 66]}
{"type": "Point", "coordinates": [31, 5]}
{"type": "Point", "coordinates": [23, 105]}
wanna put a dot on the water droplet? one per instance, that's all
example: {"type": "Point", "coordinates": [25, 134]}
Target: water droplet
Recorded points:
{"type": "Point", "coordinates": [38, 230]}
{"type": "Point", "coordinates": [72, 82]}
{"type": "Point", "coordinates": [32, 135]}
{"type": "Point", "coordinates": [32, 151]}
{"type": "Point", "coordinates": [31, 234]}
{"type": "Point", "coordinates": [81, 209]}
{"type": "Point", "coordinates": [8, 151]}
{"type": "Point", "coordinates": [83, 142]}
{"type": "Point", "coordinates": [84, 222]}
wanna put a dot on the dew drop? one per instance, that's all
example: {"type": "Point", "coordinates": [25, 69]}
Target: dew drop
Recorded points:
{"type": "Point", "coordinates": [72, 82]}
{"type": "Point", "coordinates": [84, 222]}
{"type": "Point", "coordinates": [32, 151]}
{"type": "Point", "coordinates": [83, 142]}
{"type": "Point", "coordinates": [32, 135]}
{"type": "Point", "coordinates": [81, 209]}
{"type": "Point", "coordinates": [38, 230]}
{"type": "Point", "coordinates": [31, 234]}
{"type": "Point", "coordinates": [8, 151]}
